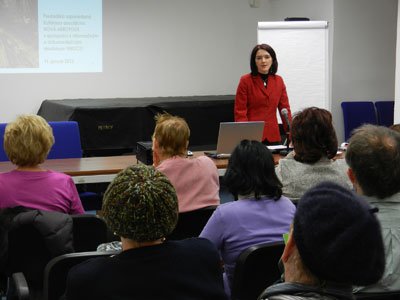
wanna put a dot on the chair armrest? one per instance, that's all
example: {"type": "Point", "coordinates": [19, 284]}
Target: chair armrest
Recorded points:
{"type": "Point", "coordinates": [21, 286]}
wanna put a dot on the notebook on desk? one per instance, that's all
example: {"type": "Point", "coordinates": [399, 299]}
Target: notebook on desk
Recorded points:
{"type": "Point", "coordinates": [231, 133]}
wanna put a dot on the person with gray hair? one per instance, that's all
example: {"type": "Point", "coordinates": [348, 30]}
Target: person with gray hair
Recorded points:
{"type": "Point", "coordinates": [141, 206]}
{"type": "Point", "coordinates": [373, 157]}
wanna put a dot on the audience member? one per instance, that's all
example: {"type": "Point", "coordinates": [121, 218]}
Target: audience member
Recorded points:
{"type": "Point", "coordinates": [196, 178]}
{"type": "Point", "coordinates": [27, 142]}
{"type": "Point", "coordinates": [140, 206]}
{"type": "Point", "coordinates": [261, 215]}
{"type": "Point", "coordinates": [335, 242]}
{"type": "Point", "coordinates": [395, 127]}
{"type": "Point", "coordinates": [312, 161]}
{"type": "Point", "coordinates": [373, 156]}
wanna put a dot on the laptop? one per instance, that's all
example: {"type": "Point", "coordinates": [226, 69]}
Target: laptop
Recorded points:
{"type": "Point", "coordinates": [231, 133]}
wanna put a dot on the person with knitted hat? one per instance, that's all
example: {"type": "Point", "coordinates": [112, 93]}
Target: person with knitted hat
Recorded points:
{"type": "Point", "coordinates": [335, 243]}
{"type": "Point", "coordinates": [140, 205]}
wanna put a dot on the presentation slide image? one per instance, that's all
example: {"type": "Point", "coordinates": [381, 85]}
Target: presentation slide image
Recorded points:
{"type": "Point", "coordinates": [63, 36]}
{"type": "Point", "coordinates": [19, 34]}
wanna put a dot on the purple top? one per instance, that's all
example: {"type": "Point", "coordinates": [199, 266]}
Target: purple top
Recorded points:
{"type": "Point", "coordinates": [47, 190]}
{"type": "Point", "coordinates": [235, 226]}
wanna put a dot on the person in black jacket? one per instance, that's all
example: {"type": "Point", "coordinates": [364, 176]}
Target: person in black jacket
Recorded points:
{"type": "Point", "coordinates": [335, 242]}
{"type": "Point", "coordinates": [141, 206]}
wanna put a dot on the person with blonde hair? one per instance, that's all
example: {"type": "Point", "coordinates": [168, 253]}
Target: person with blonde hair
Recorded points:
{"type": "Point", "coordinates": [27, 142]}
{"type": "Point", "coordinates": [196, 178]}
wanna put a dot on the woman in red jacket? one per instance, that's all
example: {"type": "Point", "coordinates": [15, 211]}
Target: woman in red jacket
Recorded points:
{"type": "Point", "coordinates": [261, 93]}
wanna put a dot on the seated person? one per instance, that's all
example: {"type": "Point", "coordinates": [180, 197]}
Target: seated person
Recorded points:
{"type": "Point", "coordinates": [373, 156]}
{"type": "Point", "coordinates": [395, 127]}
{"type": "Point", "coordinates": [335, 242]}
{"type": "Point", "coordinates": [140, 205]}
{"type": "Point", "coordinates": [312, 161]}
{"type": "Point", "coordinates": [195, 179]}
{"type": "Point", "coordinates": [27, 142]}
{"type": "Point", "coordinates": [261, 215]}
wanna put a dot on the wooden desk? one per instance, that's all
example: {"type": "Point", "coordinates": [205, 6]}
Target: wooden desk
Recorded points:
{"type": "Point", "coordinates": [103, 169]}
{"type": "Point", "coordinates": [85, 170]}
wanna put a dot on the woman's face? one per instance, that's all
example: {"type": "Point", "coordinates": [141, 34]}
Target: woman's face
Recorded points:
{"type": "Point", "coordinates": [263, 61]}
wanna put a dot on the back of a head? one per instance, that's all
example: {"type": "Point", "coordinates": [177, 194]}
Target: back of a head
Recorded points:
{"type": "Point", "coordinates": [140, 204]}
{"type": "Point", "coordinates": [251, 169]}
{"type": "Point", "coordinates": [28, 140]}
{"type": "Point", "coordinates": [395, 127]}
{"type": "Point", "coordinates": [373, 154]}
{"type": "Point", "coordinates": [338, 236]}
{"type": "Point", "coordinates": [313, 135]}
{"type": "Point", "coordinates": [172, 134]}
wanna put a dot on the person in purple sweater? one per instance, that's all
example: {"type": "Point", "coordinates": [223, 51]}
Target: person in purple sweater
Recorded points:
{"type": "Point", "coordinates": [27, 142]}
{"type": "Point", "coordinates": [260, 215]}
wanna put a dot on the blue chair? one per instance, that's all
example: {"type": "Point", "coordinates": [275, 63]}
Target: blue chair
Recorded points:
{"type": "Point", "coordinates": [3, 155]}
{"type": "Point", "coordinates": [67, 141]}
{"type": "Point", "coordinates": [67, 144]}
{"type": "Point", "coordinates": [356, 114]}
{"type": "Point", "coordinates": [385, 112]}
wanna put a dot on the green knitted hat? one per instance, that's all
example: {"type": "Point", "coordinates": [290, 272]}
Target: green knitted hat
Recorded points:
{"type": "Point", "coordinates": [141, 204]}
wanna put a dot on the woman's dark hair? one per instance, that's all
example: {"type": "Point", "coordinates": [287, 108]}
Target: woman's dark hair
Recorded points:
{"type": "Point", "coordinates": [251, 169]}
{"type": "Point", "coordinates": [268, 48]}
{"type": "Point", "coordinates": [313, 135]}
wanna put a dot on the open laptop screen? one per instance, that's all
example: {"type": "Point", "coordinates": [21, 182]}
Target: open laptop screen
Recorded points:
{"type": "Point", "coordinates": [231, 133]}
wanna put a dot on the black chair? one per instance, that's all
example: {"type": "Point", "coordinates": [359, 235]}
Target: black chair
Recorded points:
{"type": "Point", "coordinates": [27, 256]}
{"type": "Point", "coordinates": [89, 232]}
{"type": "Point", "coordinates": [34, 237]}
{"type": "Point", "coordinates": [256, 269]}
{"type": "Point", "coordinates": [191, 223]}
{"type": "Point", "coordinates": [55, 275]}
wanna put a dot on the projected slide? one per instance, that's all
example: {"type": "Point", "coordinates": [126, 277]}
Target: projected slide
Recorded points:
{"type": "Point", "coordinates": [50, 36]}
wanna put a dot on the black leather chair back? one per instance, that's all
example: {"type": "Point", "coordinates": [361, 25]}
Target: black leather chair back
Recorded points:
{"type": "Point", "coordinates": [256, 269]}
{"type": "Point", "coordinates": [191, 223]}
{"type": "Point", "coordinates": [89, 232]}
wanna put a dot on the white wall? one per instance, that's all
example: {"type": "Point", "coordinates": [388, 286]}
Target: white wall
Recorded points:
{"type": "Point", "coordinates": [200, 47]}
{"type": "Point", "coordinates": [397, 76]}
{"type": "Point", "coordinates": [364, 45]}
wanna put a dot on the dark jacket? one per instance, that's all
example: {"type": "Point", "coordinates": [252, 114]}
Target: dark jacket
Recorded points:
{"type": "Point", "coordinates": [296, 291]}
{"type": "Point", "coordinates": [55, 228]}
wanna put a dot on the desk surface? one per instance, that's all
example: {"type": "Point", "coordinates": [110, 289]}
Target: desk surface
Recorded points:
{"type": "Point", "coordinates": [101, 169]}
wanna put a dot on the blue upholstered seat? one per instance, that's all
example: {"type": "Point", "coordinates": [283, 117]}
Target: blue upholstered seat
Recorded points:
{"type": "Point", "coordinates": [356, 114]}
{"type": "Point", "coordinates": [385, 112]}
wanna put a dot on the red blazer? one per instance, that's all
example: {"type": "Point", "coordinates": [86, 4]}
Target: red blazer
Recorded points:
{"type": "Point", "coordinates": [254, 102]}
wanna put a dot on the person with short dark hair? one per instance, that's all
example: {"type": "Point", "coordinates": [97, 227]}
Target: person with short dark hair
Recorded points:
{"type": "Point", "coordinates": [261, 215]}
{"type": "Point", "coordinates": [140, 206]}
{"type": "Point", "coordinates": [335, 243]}
{"type": "Point", "coordinates": [312, 160]}
{"type": "Point", "coordinates": [373, 156]}
{"type": "Point", "coordinates": [27, 142]}
{"type": "Point", "coordinates": [261, 92]}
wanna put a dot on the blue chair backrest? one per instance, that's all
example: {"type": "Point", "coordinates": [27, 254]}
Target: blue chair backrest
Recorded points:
{"type": "Point", "coordinates": [3, 155]}
{"type": "Point", "coordinates": [356, 114]}
{"type": "Point", "coordinates": [67, 140]}
{"type": "Point", "coordinates": [385, 112]}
